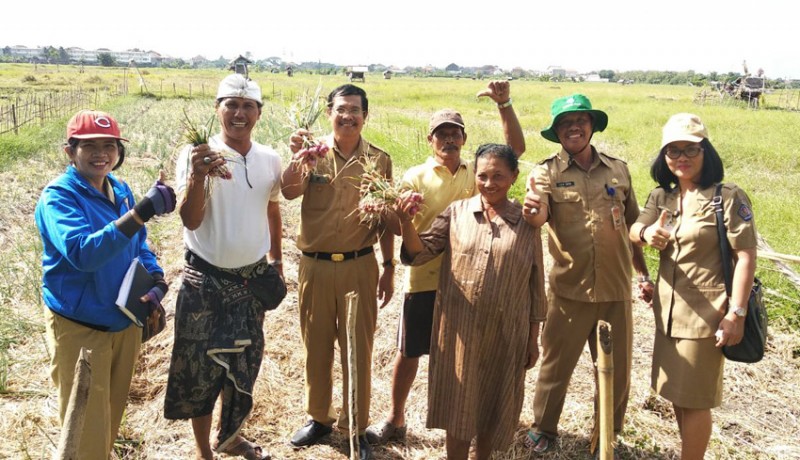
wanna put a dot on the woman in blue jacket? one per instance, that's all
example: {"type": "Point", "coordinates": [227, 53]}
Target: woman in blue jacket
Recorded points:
{"type": "Point", "coordinates": [91, 230]}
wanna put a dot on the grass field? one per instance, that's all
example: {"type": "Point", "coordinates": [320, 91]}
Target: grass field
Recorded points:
{"type": "Point", "coordinates": [756, 146]}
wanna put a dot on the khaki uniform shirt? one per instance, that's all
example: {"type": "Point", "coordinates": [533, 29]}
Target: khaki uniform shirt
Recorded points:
{"type": "Point", "coordinates": [690, 298]}
{"type": "Point", "coordinates": [591, 255]}
{"type": "Point", "coordinates": [329, 220]}
{"type": "Point", "coordinates": [439, 187]}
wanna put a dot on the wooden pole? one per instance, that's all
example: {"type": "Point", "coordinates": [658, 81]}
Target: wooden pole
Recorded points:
{"type": "Point", "coordinates": [604, 424]}
{"type": "Point", "coordinates": [352, 372]}
{"type": "Point", "coordinates": [74, 417]}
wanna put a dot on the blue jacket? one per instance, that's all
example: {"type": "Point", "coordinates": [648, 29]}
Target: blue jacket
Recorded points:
{"type": "Point", "coordinates": [84, 255]}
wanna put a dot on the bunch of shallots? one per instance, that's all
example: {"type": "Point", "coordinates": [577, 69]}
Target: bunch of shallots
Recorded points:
{"type": "Point", "coordinates": [380, 195]}
{"type": "Point", "coordinates": [311, 152]}
{"type": "Point", "coordinates": [415, 200]}
{"type": "Point", "coordinates": [198, 135]}
{"type": "Point", "coordinates": [304, 115]}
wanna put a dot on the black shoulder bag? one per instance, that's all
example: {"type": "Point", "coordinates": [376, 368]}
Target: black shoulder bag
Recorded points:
{"type": "Point", "coordinates": [751, 348]}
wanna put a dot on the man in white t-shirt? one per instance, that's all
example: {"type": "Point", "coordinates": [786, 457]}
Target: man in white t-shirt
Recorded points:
{"type": "Point", "coordinates": [229, 207]}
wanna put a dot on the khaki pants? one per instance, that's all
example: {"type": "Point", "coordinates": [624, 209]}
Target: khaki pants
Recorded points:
{"type": "Point", "coordinates": [570, 324]}
{"type": "Point", "coordinates": [323, 321]}
{"type": "Point", "coordinates": [113, 361]}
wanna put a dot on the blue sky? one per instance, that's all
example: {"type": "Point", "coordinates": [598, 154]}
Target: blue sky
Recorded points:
{"type": "Point", "coordinates": [583, 35]}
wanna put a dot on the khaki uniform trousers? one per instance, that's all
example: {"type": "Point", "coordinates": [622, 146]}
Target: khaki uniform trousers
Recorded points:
{"type": "Point", "coordinates": [570, 324]}
{"type": "Point", "coordinates": [113, 361]}
{"type": "Point", "coordinates": [323, 321]}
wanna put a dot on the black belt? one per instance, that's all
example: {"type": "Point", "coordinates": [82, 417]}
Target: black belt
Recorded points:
{"type": "Point", "coordinates": [339, 256]}
{"type": "Point", "coordinates": [206, 267]}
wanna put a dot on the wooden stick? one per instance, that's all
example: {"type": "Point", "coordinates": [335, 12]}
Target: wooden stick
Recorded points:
{"type": "Point", "coordinates": [605, 379]}
{"type": "Point", "coordinates": [72, 428]}
{"type": "Point", "coordinates": [352, 374]}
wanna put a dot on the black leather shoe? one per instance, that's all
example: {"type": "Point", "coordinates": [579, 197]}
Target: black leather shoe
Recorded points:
{"type": "Point", "coordinates": [310, 434]}
{"type": "Point", "coordinates": [364, 449]}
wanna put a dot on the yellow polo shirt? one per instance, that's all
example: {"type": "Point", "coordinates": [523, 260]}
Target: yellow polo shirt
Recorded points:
{"type": "Point", "coordinates": [439, 187]}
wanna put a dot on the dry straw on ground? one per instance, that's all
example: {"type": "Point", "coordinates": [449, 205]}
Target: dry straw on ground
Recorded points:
{"type": "Point", "coordinates": [759, 418]}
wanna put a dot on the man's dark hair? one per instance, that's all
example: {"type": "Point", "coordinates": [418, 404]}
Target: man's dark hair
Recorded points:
{"type": "Point", "coordinates": [711, 173]}
{"type": "Point", "coordinates": [501, 151]}
{"type": "Point", "coordinates": [73, 144]}
{"type": "Point", "coordinates": [349, 90]}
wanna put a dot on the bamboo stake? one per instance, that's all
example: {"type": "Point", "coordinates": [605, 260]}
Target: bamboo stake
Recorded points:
{"type": "Point", "coordinates": [352, 372]}
{"type": "Point", "coordinates": [605, 380]}
{"type": "Point", "coordinates": [72, 428]}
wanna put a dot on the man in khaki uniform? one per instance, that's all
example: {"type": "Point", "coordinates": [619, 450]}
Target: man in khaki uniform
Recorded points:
{"type": "Point", "coordinates": [588, 201]}
{"type": "Point", "coordinates": [338, 258]}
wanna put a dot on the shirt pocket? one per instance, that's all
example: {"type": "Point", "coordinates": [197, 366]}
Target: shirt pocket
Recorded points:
{"type": "Point", "coordinates": [567, 206]}
{"type": "Point", "coordinates": [319, 196]}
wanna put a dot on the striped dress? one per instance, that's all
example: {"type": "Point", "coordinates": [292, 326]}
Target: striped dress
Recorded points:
{"type": "Point", "coordinates": [491, 288]}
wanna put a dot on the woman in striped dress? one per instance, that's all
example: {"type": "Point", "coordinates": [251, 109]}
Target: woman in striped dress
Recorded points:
{"type": "Point", "coordinates": [489, 304]}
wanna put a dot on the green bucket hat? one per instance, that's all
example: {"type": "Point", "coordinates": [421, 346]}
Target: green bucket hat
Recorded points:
{"type": "Point", "coordinates": [574, 103]}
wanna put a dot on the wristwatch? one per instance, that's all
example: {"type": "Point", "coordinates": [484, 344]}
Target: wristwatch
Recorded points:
{"type": "Point", "coordinates": [390, 263]}
{"type": "Point", "coordinates": [737, 310]}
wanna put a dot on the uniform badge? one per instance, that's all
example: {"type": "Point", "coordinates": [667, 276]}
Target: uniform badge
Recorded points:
{"type": "Point", "coordinates": [745, 213]}
{"type": "Point", "coordinates": [565, 184]}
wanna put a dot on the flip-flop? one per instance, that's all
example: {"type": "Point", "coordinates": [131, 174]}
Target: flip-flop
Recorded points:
{"type": "Point", "coordinates": [539, 443]}
{"type": "Point", "coordinates": [384, 432]}
{"type": "Point", "coordinates": [247, 450]}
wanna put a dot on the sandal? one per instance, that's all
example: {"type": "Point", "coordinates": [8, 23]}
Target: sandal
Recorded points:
{"type": "Point", "coordinates": [384, 432]}
{"type": "Point", "coordinates": [247, 450]}
{"type": "Point", "coordinates": [539, 443]}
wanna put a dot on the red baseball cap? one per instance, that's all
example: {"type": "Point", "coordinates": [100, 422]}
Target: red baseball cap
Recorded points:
{"type": "Point", "coordinates": [93, 124]}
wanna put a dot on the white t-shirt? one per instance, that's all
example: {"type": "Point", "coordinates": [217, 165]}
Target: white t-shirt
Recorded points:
{"type": "Point", "coordinates": [235, 230]}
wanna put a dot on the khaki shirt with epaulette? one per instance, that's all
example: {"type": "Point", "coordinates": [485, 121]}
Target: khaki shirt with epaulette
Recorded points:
{"type": "Point", "coordinates": [329, 218]}
{"type": "Point", "coordinates": [591, 255]}
{"type": "Point", "coordinates": [690, 298]}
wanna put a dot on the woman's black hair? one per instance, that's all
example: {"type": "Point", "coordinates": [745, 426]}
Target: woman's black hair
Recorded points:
{"type": "Point", "coordinates": [349, 90]}
{"type": "Point", "coordinates": [501, 151]}
{"type": "Point", "coordinates": [712, 171]}
{"type": "Point", "coordinates": [73, 144]}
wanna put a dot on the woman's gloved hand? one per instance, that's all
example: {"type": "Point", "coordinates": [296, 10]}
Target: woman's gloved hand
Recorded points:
{"type": "Point", "coordinates": [159, 200]}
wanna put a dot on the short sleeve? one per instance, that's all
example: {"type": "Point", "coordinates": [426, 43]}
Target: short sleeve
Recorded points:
{"type": "Point", "coordinates": [275, 192]}
{"type": "Point", "coordinates": [740, 221]}
{"type": "Point", "coordinates": [650, 213]}
{"type": "Point", "coordinates": [541, 175]}
{"type": "Point", "coordinates": [631, 205]}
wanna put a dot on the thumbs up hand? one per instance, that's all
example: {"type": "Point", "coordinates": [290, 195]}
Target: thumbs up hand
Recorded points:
{"type": "Point", "coordinates": [658, 234]}
{"type": "Point", "coordinates": [533, 202]}
{"type": "Point", "coordinates": [533, 209]}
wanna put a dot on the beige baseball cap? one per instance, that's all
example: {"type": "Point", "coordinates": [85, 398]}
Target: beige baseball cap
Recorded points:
{"type": "Point", "coordinates": [445, 116]}
{"type": "Point", "coordinates": [683, 127]}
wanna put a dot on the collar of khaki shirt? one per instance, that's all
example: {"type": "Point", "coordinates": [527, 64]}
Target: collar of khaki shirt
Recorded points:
{"type": "Point", "coordinates": [597, 158]}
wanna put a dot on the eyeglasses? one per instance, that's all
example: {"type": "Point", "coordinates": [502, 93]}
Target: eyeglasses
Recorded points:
{"type": "Point", "coordinates": [353, 111]}
{"type": "Point", "coordinates": [690, 152]}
